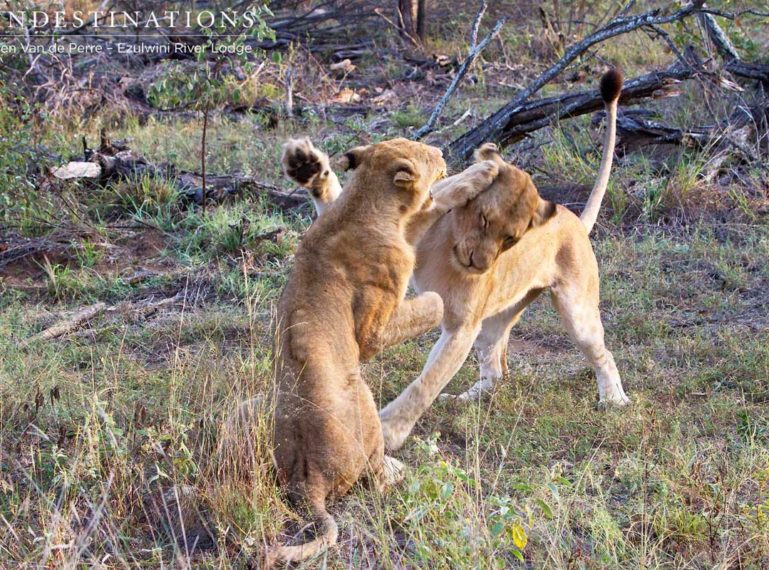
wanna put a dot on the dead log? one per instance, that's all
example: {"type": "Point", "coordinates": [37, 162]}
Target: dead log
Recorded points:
{"type": "Point", "coordinates": [18, 251]}
{"type": "Point", "coordinates": [219, 188]}
{"type": "Point", "coordinates": [538, 114]}
{"type": "Point", "coordinates": [493, 128]}
{"type": "Point", "coordinates": [114, 161]}
{"type": "Point", "coordinates": [634, 132]}
{"type": "Point", "coordinates": [725, 142]}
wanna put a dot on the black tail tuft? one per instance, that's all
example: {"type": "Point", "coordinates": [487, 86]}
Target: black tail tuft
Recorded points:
{"type": "Point", "coordinates": [611, 85]}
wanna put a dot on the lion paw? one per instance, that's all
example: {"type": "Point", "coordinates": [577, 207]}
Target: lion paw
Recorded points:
{"type": "Point", "coordinates": [458, 190]}
{"type": "Point", "coordinates": [618, 399]}
{"type": "Point", "coordinates": [305, 164]}
{"type": "Point", "coordinates": [393, 471]}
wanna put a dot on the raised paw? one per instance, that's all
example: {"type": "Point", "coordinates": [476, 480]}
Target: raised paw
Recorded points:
{"type": "Point", "coordinates": [305, 164]}
{"type": "Point", "coordinates": [458, 190]}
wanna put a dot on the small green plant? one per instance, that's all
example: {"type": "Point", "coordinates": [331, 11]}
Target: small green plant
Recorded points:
{"type": "Point", "coordinates": [435, 504]}
{"type": "Point", "coordinates": [205, 87]}
{"type": "Point", "coordinates": [60, 279]}
{"type": "Point", "coordinates": [89, 254]}
{"type": "Point", "coordinates": [565, 160]}
{"type": "Point", "coordinates": [752, 429]}
{"type": "Point", "coordinates": [654, 198]}
{"type": "Point", "coordinates": [411, 116]}
{"type": "Point", "coordinates": [20, 201]}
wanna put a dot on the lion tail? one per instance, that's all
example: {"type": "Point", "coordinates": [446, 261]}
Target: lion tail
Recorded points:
{"type": "Point", "coordinates": [326, 538]}
{"type": "Point", "coordinates": [611, 86]}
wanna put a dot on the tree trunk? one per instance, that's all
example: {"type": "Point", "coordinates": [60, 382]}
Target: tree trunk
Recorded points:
{"type": "Point", "coordinates": [421, 19]}
{"type": "Point", "coordinates": [412, 17]}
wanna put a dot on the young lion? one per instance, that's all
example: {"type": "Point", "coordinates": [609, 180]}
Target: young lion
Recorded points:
{"type": "Point", "coordinates": [492, 257]}
{"type": "Point", "coordinates": [343, 303]}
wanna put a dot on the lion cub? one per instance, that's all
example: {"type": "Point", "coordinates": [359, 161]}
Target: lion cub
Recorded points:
{"type": "Point", "coordinates": [343, 303]}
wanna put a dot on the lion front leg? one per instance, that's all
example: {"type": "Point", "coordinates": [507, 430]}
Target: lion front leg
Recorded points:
{"type": "Point", "coordinates": [310, 168]}
{"type": "Point", "coordinates": [412, 318]}
{"type": "Point", "coordinates": [445, 360]}
{"type": "Point", "coordinates": [452, 192]}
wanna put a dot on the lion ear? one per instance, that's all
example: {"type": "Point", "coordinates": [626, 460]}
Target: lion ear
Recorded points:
{"type": "Point", "coordinates": [352, 158]}
{"type": "Point", "coordinates": [541, 210]}
{"type": "Point", "coordinates": [487, 151]}
{"type": "Point", "coordinates": [544, 211]}
{"type": "Point", "coordinates": [405, 174]}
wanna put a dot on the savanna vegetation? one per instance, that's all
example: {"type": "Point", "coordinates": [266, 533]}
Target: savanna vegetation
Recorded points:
{"type": "Point", "coordinates": [118, 446]}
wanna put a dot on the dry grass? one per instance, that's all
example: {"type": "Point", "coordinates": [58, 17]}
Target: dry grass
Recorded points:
{"type": "Point", "coordinates": [115, 450]}
{"type": "Point", "coordinates": [141, 441]}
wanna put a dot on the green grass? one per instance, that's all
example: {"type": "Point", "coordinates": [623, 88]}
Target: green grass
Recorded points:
{"type": "Point", "coordinates": [108, 432]}
{"type": "Point", "coordinates": [98, 429]}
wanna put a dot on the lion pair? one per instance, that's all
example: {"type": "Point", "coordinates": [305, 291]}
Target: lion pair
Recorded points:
{"type": "Point", "coordinates": [480, 247]}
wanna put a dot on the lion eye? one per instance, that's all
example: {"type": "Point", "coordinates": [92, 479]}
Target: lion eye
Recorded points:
{"type": "Point", "coordinates": [509, 241]}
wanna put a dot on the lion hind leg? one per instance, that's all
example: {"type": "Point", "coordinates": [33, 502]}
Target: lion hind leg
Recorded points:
{"type": "Point", "coordinates": [390, 474]}
{"type": "Point", "coordinates": [492, 345]}
{"type": "Point", "coordinates": [582, 320]}
{"type": "Point", "coordinates": [328, 533]}
{"type": "Point", "coordinates": [492, 354]}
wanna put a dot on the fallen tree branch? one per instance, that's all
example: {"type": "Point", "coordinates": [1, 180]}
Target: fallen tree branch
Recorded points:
{"type": "Point", "coordinates": [492, 128]}
{"type": "Point", "coordinates": [634, 132]}
{"type": "Point", "coordinates": [63, 327]}
{"type": "Point", "coordinates": [30, 247]}
{"type": "Point", "coordinates": [717, 36]}
{"type": "Point", "coordinates": [540, 113]}
{"type": "Point", "coordinates": [727, 51]}
{"type": "Point", "coordinates": [475, 50]}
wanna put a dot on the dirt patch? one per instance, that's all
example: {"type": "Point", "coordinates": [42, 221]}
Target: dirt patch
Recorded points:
{"type": "Point", "coordinates": [26, 263]}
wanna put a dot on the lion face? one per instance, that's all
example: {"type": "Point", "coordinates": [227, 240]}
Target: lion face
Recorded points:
{"type": "Point", "coordinates": [411, 166]}
{"type": "Point", "coordinates": [496, 220]}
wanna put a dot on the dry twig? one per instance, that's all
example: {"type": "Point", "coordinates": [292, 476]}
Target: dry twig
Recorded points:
{"type": "Point", "coordinates": [475, 50]}
{"type": "Point", "coordinates": [65, 326]}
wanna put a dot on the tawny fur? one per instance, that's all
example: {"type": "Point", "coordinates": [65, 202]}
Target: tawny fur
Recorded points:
{"type": "Point", "coordinates": [492, 258]}
{"type": "Point", "coordinates": [343, 303]}
{"type": "Point", "coordinates": [488, 260]}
